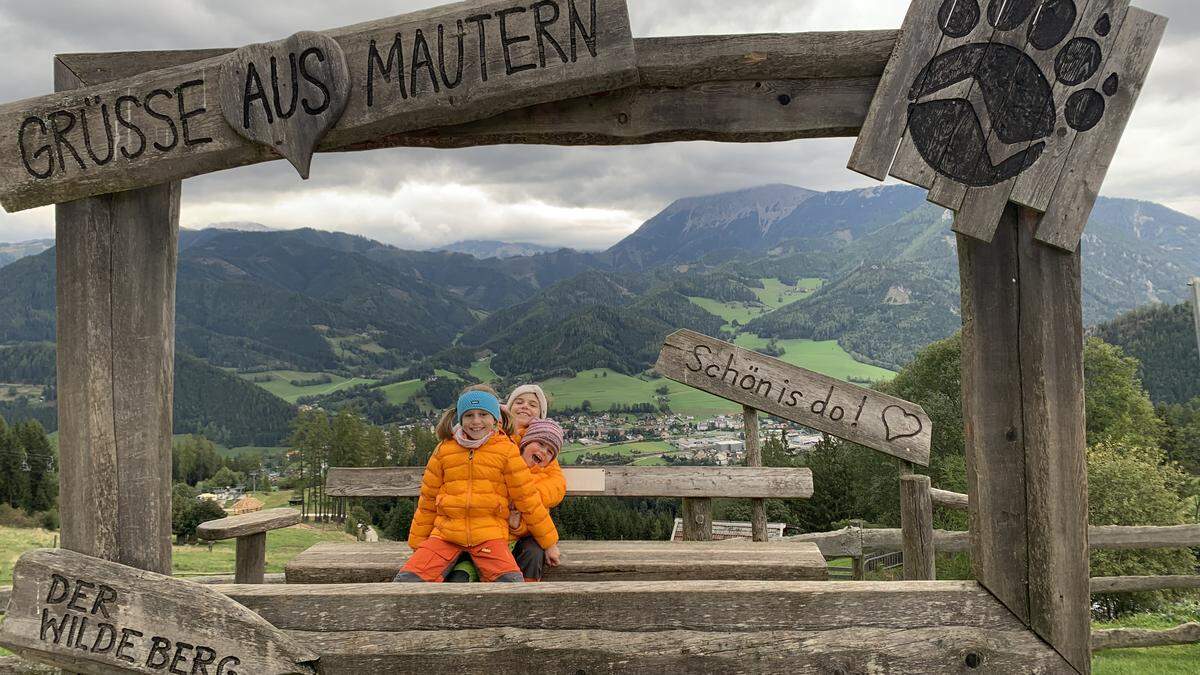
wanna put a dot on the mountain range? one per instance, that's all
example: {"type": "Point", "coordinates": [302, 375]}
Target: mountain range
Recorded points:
{"type": "Point", "coordinates": [483, 249]}
{"type": "Point", "coordinates": [884, 261]}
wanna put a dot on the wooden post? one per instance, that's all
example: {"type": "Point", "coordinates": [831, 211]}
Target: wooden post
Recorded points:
{"type": "Point", "coordinates": [251, 560]}
{"type": "Point", "coordinates": [758, 509]}
{"type": "Point", "coordinates": [916, 525]}
{"type": "Point", "coordinates": [697, 519]}
{"type": "Point", "coordinates": [116, 258]}
{"type": "Point", "coordinates": [1022, 383]}
{"type": "Point", "coordinates": [1196, 307]}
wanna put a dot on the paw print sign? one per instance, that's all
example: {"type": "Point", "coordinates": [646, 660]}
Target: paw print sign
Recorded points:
{"type": "Point", "coordinates": [990, 101]}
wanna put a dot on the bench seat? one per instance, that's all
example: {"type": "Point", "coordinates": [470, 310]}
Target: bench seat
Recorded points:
{"type": "Point", "coordinates": [343, 563]}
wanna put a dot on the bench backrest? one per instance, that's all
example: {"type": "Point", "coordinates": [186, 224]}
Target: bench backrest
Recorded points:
{"type": "Point", "coordinates": [615, 481]}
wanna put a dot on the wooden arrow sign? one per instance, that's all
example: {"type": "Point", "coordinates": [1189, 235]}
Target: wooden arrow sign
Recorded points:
{"type": "Point", "coordinates": [88, 615]}
{"type": "Point", "coordinates": [864, 416]}
{"type": "Point", "coordinates": [442, 66]}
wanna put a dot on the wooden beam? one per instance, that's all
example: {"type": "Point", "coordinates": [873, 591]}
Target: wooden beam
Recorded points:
{"type": "Point", "coordinates": [697, 519]}
{"type": "Point", "coordinates": [587, 561]}
{"type": "Point", "coordinates": [613, 481]}
{"type": "Point", "coordinates": [1026, 455]}
{"type": "Point", "coordinates": [1149, 583]}
{"type": "Point", "coordinates": [948, 499]}
{"type": "Point", "coordinates": [116, 347]}
{"type": "Point", "coordinates": [1119, 638]}
{"type": "Point", "coordinates": [1196, 308]}
{"type": "Point", "coordinates": [916, 521]}
{"type": "Point", "coordinates": [1125, 537]}
{"type": "Point", "coordinates": [758, 509]}
{"type": "Point", "coordinates": [244, 524]}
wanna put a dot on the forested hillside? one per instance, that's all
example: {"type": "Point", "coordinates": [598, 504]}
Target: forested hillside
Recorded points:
{"type": "Point", "coordinates": [1163, 339]}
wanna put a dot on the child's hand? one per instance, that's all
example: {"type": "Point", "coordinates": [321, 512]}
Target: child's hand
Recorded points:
{"type": "Point", "coordinates": [553, 556]}
{"type": "Point", "coordinates": [514, 519]}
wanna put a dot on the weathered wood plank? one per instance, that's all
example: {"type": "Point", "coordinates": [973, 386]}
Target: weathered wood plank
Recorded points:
{"type": "Point", "coordinates": [1051, 344]}
{"type": "Point", "coordinates": [1148, 583]}
{"type": "Point", "coordinates": [916, 525]}
{"type": "Point", "coordinates": [865, 416]}
{"type": "Point", "coordinates": [92, 616]}
{"type": "Point", "coordinates": [758, 508]}
{"type": "Point", "coordinates": [876, 145]}
{"type": "Point", "coordinates": [1086, 165]}
{"type": "Point", "coordinates": [1119, 638]}
{"type": "Point", "coordinates": [1196, 308]}
{"type": "Point", "coordinates": [507, 57]}
{"type": "Point", "coordinates": [613, 481]}
{"type": "Point", "coordinates": [724, 606]}
{"type": "Point", "coordinates": [948, 499]}
{"type": "Point", "coordinates": [586, 561]}
{"type": "Point", "coordinates": [116, 340]}
{"type": "Point", "coordinates": [697, 519]}
{"type": "Point", "coordinates": [991, 392]}
{"type": "Point", "coordinates": [851, 650]}
{"type": "Point", "coordinates": [251, 559]}
{"type": "Point", "coordinates": [248, 523]}
{"type": "Point", "coordinates": [1125, 537]}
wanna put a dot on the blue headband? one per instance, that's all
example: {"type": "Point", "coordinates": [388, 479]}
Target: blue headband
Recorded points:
{"type": "Point", "coordinates": [477, 400]}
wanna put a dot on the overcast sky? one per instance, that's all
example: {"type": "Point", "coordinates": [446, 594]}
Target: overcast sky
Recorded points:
{"type": "Point", "coordinates": [582, 197]}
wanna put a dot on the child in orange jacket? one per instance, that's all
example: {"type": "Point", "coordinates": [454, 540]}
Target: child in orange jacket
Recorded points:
{"type": "Point", "coordinates": [467, 487]}
{"type": "Point", "coordinates": [540, 444]}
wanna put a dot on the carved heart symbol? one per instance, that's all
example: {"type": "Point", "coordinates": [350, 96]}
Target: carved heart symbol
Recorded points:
{"type": "Point", "coordinates": [897, 423]}
{"type": "Point", "coordinates": [286, 94]}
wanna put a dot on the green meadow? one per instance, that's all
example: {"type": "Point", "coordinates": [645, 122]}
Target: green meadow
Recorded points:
{"type": "Point", "coordinates": [825, 356]}
{"type": "Point", "coordinates": [281, 385]}
{"type": "Point", "coordinates": [603, 391]}
{"type": "Point", "coordinates": [399, 392]}
{"type": "Point", "coordinates": [647, 449]}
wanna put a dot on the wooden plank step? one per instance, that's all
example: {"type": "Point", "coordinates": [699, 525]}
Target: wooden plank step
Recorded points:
{"type": "Point", "coordinates": [341, 563]}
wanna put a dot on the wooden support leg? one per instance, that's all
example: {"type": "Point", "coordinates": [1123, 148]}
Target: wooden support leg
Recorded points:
{"type": "Point", "coordinates": [116, 258]}
{"type": "Point", "coordinates": [1022, 378]}
{"type": "Point", "coordinates": [758, 509]}
{"type": "Point", "coordinates": [697, 519]}
{"type": "Point", "coordinates": [916, 524]}
{"type": "Point", "coordinates": [251, 558]}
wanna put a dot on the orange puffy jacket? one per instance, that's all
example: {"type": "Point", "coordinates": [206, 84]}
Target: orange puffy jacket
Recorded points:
{"type": "Point", "coordinates": [551, 486]}
{"type": "Point", "coordinates": [465, 495]}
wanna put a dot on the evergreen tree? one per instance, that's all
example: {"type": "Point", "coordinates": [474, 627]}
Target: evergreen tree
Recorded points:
{"type": "Point", "coordinates": [43, 465]}
{"type": "Point", "coordinates": [14, 479]}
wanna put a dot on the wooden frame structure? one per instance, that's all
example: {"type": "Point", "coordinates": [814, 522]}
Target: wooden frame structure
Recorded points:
{"type": "Point", "coordinates": [1022, 366]}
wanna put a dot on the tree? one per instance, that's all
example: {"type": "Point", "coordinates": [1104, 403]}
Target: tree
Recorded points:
{"type": "Point", "coordinates": [42, 463]}
{"type": "Point", "coordinates": [1132, 485]}
{"type": "Point", "coordinates": [225, 478]}
{"type": "Point", "coordinates": [188, 511]}
{"type": "Point", "coordinates": [1118, 408]}
{"type": "Point", "coordinates": [195, 459]}
{"type": "Point", "coordinates": [14, 480]}
{"type": "Point", "coordinates": [1181, 433]}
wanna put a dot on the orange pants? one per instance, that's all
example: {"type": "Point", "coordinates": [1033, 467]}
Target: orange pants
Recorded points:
{"type": "Point", "coordinates": [434, 557]}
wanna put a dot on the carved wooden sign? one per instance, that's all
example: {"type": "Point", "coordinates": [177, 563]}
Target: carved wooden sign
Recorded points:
{"type": "Point", "coordinates": [442, 66]}
{"type": "Point", "coordinates": [864, 416]}
{"type": "Point", "coordinates": [89, 615]}
{"type": "Point", "coordinates": [992, 101]}
{"type": "Point", "coordinates": [309, 86]}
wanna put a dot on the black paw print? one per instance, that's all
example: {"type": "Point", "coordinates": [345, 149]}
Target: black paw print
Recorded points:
{"type": "Point", "coordinates": [1016, 98]}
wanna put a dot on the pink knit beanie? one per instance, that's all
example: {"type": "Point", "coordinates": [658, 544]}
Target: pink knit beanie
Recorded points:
{"type": "Point", "coordinates": [546, 432]}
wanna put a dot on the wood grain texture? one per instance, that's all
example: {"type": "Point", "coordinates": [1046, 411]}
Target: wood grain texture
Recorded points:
{"type": "Point", "coordinates": [129, 613]}
{"type": "Point", "coordinates": [1195, 284]}
{"type": "Point", "coordinates": [619, 481]}
{"type": "Point", "coordinates": [758, 509]}
{"type": "Point", "coordinates": [916, 526]}
{"type": "Point", "coordinates": [586, 561]}
{"type": "Point", "coordinates": [1117, 638]}
{"type": "Point", "coordinates": [1125, 537]}
{"type": "Point", "coordinates": [1055, 439]}
{"type": "Point", "coordinates": [116, 338]}
{"type": "Point", "coordinates": [250, 560]}
{"type": "Point", "coordinates": [181, 129]}
{"type": "Point", "coordinates": [1148, 583]}
{"type": "Point", "coordinates": [949, 500]}
{"type": "Point", "coordinates": [852, 650]}
{"type": "Point", "coordinates": [886, 119]}
{"type": "Point", "coordinates": [319, 73]}
{"type": "Point", "coordinates": [1068, 209]}
{"type": "Point", "coordinates": [991, 394]}
{"type": "Point", "coordinates": [697, 517]}
{"type": "Point", "coordinates": [888, 424]}
{"type": "Point", "coordinates": [248, 523]}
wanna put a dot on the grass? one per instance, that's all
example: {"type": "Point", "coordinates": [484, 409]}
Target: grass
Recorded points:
{"type": "Point", "coordinates": [614, 388]}
{"type": "Point", "coordinates": [825, 356]}
{"type": "Point", "coordinates": [572, 451]}
{"type": "Point", "coordinates": [482, 370]}
{"type": "Point", "coordinates": [282, 546]}
{"type": "Point", "coordinates": [281, 385]}
{"type": "Point", "coordinates": [400, 392]}
{"type": "Point", "coordinates": [776, 294]}
{"type": "Point", "coordinates": [739, 311]}
{"type": "Point", "coordinates": [14, 541]}
{"type": "Point", "coordinates": [13, 391]}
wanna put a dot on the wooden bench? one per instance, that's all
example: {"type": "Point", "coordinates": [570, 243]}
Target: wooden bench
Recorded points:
{"type": "Point", "coordinates": [597, 560]}
{"type": "Point", "coordinates": [250, 530]}
{"type": "Point", "coordinates": [337, 563]}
